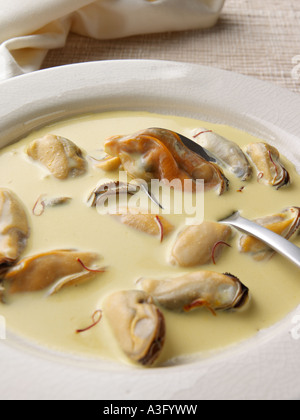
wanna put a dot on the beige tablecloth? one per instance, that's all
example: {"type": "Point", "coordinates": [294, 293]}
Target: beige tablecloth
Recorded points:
{"type": "Point", "coordinates": [253, 37]}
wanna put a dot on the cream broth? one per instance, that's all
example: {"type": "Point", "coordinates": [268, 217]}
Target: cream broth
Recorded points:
{"type": "Point", "coordinates": [51, 322]}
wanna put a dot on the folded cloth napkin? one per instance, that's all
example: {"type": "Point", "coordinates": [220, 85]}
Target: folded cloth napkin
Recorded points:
{"type": "Point", "coordinates": [29, 28]}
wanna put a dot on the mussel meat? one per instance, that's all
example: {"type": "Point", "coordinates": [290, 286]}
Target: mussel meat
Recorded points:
{"type": "Point", "coordinates": [152, 224]}
{"type": "Point", "coordinates": [59, 155]}
{"type": "Point", "coordinates": [286, 224]}
{"type": "Point", "coordinates": [199, 244]}
{"type": "Point", "coordinates": [43, 203]}
{"type": "Point", "coordinates": [58, 269]}
{"type": "Point", "coordinates": [101, 192]}
{"type": "Point", "coordinates": [159, 154]}
{"type": "Point", "coordinates": [226, 152]}
{"type": "Point", "coordinates": [270, 170]}
{"type": "Point", "coordinates": [138, 325]}
{"type": "Point", "coordinates": [14, 229]}
{"type": "Point", "coordinates": [217, 292]}
{"type": "Point", "coordinates": [108, 163]}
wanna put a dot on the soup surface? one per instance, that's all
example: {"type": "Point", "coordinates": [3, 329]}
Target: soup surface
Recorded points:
{"type": "Point", "coordinates": [51, 321]}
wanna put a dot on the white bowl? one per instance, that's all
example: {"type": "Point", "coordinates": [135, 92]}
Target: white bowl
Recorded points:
{"type": "Point", "coordinates": [264, 367]}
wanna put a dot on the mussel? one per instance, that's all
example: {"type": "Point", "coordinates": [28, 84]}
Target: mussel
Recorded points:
{"type": "Point", "coordinates": [200, 244]}
{"type": "Point", "coordinates": [285, 223]}
{"type": "Point", "coordinates": [59, 268]}
{"type": "Point", "coordinates": [136, 218]}
{"type": "Point", "coordinates": [108, 163]}
{"type": "Point", "coordinates": [217, 292]}
{"type": "Point", "coordinates": [14, 229]}
{"type": "Point", "coordinates": [158, 153]}
{"type": "Point", "coordinates": [43, 203]}
{"type": "Point", "coordinates": [152, 224]}
{"type": "Point", "coordinates": [138, 325]}
{"type": "Point", "coordinates": [2, 294]}
{"type": "Point", "coordinates": [59, 155]}
{"type": "Point", "coordinates": [226, 152]}
{"type": "Point", "coordinates": [116, 188]}
{"type": "Point", "coordinates": [111, 188]}
{"type": "Point", "coordinates": [270, 169]}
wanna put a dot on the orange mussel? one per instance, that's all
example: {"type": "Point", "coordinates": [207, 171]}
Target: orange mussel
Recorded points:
{"type": "Point", "coordinates": [157, 153]}
{"type": "Point", "coordinates": [57, 268]}
{"type": "Point", "coordinates": [285, 224]}
{"type": "Point", "coordinates": [267, 161]}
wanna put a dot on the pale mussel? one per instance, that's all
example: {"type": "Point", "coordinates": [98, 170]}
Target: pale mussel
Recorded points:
{"type": "Point", "coordinates": [151, 224]}
{"type": "Point", "coordinates": [200, 244]}
{"type": "Point", "coordinates": [14, 229]}
{"type": "Point", "coordinates": [215, 291]}
{"type": "Point", "coordinates": [111, 188]}
{"type": "Point", "coordinates": [138, 325]}
{"type": "Point", "coordinates": [137, 218]}
{"type": "Point", "coordinates": [226, 152]}
{"type": "Point", "coordinates": [43, 203]}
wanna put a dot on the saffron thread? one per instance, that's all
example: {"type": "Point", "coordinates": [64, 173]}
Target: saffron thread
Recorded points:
{"type": "Point", "coordinates": [99, 270]}
{"type": "Point", "coordinates": [202, 132]}
{"type": "Point", "coordinates": [36, 204]}
{"type": "Point", "coordinates": [198, 304]}
{"type": "Point", "coordinates": [215, 247]}
{"type": "Point", "coordinates": [96, 317]}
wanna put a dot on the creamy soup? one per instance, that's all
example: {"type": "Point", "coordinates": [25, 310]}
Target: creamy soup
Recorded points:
{"type": "Point", "coordinates": [51, 321]}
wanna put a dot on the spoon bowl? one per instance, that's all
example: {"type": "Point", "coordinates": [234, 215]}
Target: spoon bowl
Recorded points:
{"type": "Point", "coordinates": [275, 241]}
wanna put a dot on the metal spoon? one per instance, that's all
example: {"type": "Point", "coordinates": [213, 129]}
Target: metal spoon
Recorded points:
{"type": "Point", "coordinates": [194, 147]}
{"type": "Point", "coordinates": [275, 241]}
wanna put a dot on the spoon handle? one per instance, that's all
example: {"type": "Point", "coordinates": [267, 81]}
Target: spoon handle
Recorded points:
{"type": "Point", "coordinates": [275, 241]}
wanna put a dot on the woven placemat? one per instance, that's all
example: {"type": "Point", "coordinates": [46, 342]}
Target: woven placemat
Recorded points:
{"type": "Point", "coordinates": [253, 37]}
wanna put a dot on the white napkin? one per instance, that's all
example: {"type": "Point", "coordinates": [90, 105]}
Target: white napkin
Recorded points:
{"type": "Point", "coordinates": [29, 28]}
